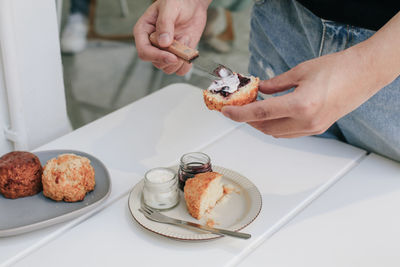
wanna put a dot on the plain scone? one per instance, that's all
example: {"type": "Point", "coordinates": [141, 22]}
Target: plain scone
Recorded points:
{"type": "Point", "coordinates": [244, 95]}
{"type": "Point", "coordinates": [202, 193]}
{"type": "Point", "coordinates": [68, 177]}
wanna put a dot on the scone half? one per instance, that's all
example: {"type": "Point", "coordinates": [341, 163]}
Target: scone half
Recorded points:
{"type": "Point", "coordinates": [202, 193]}
{"type": "Point", "coordinates": [244, 95]}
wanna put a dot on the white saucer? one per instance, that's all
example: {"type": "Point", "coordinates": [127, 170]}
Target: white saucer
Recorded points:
{"type": "Point", "coordinates": [234, 212]}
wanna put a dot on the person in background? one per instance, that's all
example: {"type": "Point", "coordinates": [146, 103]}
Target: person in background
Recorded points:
{"type": "Point", "coordinates": [335, 65]}
{"type": "Point", "coordinates": [73, 38]}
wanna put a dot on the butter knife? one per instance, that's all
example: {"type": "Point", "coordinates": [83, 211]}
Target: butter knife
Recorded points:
{"type": "Point", "coordinates": [193, 56]}
{"type": "Point", "coordinates": [161, 218]}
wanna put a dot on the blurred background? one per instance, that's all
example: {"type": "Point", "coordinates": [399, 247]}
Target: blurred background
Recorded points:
{"type": "Point", "coordinates": [101, 69]}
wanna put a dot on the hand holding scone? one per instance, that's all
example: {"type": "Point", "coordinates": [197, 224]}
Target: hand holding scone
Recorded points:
{"type": "Point", "coordinates": [317, 101]}
{"type": "Point", "coordinates": [236, 90]}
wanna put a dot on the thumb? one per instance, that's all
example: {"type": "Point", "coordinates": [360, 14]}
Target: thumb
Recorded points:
{"type": "Point", "coordinates": [279, 83]}
{"type": "Point", "coordinates": [165, 25]}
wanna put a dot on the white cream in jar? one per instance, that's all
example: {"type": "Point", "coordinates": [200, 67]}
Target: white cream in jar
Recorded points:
{"type": "Point", "coordinates": [160, 190]}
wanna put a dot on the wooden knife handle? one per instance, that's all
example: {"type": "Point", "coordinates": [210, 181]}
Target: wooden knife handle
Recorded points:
{"type": "Point", "coordinates": [176, 48]}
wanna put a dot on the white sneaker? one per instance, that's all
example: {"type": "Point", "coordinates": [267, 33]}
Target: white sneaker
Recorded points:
{"type": "Point", "coordinates": [73, 39]}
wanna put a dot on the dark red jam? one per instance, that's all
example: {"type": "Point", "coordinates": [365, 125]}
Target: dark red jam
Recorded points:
{"type": "Point", "coordinates": [192, 164]}
{"type": "Point", "coordinates": [243, 81]}
{"type": "Point", "coordinates": [191, 170]}
{"type": "Point", "coordinates": [224, 93]}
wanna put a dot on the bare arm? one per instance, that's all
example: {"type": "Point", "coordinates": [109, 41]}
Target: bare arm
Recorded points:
{"type": "Point", "coordinates": [381, 53]}
{"type": "Point", "coordinates": [327, 88]}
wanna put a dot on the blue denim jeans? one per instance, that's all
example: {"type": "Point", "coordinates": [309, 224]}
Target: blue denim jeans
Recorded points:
{"type": "Point", "coordinates": [284, 34]}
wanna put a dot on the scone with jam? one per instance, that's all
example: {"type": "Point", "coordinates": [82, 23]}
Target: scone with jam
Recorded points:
{"type": "Point", "coordinates": [231, 90]}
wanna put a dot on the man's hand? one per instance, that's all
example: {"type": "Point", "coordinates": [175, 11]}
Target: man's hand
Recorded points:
{"type": "Point", "coordinates": [183, 20]}
{"type": "Point", "coordinates": [326, 89]}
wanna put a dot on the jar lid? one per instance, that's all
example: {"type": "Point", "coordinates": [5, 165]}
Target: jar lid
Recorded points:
{"type": "Point", "coordinates": [195, 157]}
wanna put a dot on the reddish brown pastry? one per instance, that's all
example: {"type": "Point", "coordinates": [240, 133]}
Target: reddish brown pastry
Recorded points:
{"type": "Point", "coordinates": [68, 177]}
{"type": "Point", "coordinates": [216, 97]}
{"type": "Point", "coordinates": [202, 193]}
{"type": "Point", "coordinates": [20, 174]}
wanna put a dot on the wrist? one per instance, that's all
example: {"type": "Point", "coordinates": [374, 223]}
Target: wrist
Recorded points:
{"type": "Point", "coordinates": [380, 54]}
{"type": "Point", "coordinates": [374, 63]}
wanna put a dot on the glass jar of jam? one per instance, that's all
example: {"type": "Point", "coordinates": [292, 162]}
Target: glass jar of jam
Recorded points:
{"type": "Point", "coordinates": [192, 164]}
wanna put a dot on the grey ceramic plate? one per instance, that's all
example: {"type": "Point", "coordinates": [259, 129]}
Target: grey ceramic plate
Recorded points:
{"type": "Point", "coordinates": [26, 214]}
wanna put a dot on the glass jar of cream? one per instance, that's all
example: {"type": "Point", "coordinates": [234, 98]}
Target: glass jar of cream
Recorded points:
{"type": "Point", "coordinates": [160, 190]}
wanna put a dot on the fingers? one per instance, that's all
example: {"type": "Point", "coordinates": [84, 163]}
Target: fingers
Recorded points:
{"type": "Point", "coordinates": [268, 109]}
{"type": "Point", "coordinates": [286, 128]}
{"type": "Point", "coordinates": [181, 68]}
{"type": "Point", "coordinates": [165, 25]}
{"type": "Point", "coordinates": [282, 128]}
{"type": "Point", "coordinates": [277, 127]}
{"type": "Point", "coordinates": [146, 51]}
{"type": "Point", "coordinates": [173, 68]}
{"type": "Point", "coordinates": [279, 83]}
{"type": "Point", "coordinates": [184, 69]}
{"type": "Point", "coordinates": [291, 135]}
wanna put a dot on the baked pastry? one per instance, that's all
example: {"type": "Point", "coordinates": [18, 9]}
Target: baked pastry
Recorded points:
{"type": "Point", "coordinates": [68, 177]}
{"type": "Point", "coordinates": [20, 174]}
{"type": "Point", "coordinates": [231, 90]}
{"type": "Point", "coordinates": [202, 193]}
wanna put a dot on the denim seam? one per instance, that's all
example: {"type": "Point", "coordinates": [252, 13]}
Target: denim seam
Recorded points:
{"type": "Point", "coordinates": [348, 34]}
{"type": "Point", "coordinates": [322, 38]}
{"type": "Point", "coordinates": [351, 33]}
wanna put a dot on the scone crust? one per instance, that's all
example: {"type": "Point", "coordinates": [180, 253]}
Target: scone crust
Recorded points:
{"type": "Point", "coordinates": [20, 174]}
{"type": "Point", "coordinates": [243, 96]}
{"type": "Point", "coordinates": [68, 177]}
{"type": "Point", "coordinates": [194, 189]}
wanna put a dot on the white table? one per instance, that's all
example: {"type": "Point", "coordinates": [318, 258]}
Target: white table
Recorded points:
{"type": "Point", "coordinates": [354, 223]}
{"type": "Point", "coordinates": [156, 131]}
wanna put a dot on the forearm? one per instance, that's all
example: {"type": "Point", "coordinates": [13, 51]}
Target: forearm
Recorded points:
{"type": "Point", "coordinates": [380, 54]}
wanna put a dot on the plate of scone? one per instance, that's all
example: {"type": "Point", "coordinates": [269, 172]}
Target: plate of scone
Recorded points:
{"type": "Point", "coordinates": [237, 202]}
{"type": "Point", "coordinates": [43, 188]}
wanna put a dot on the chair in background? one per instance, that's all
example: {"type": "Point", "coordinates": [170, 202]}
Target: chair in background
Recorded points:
{"type": "Point", "coordinates": [155, 80]}
{"type": "Point", "coordinates": [32, 74]}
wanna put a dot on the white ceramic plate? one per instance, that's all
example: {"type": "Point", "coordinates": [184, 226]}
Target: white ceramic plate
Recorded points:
{"type": "Point", "coordinates": [31, 213]}
{"type": "Point", "coordinates": [234, 212]}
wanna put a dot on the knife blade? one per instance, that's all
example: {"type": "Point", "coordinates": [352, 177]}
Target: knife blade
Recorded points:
{"type": "Point", "coordinates": [217, 230]}
{"type": "Point", "coordinates": [187, 224]}
{"type": "Point", "coordinates": [191, 55]}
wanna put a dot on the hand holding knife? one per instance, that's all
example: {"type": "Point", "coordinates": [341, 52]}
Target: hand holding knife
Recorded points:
{"type": "Point", "coordinates": [191, 55]}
